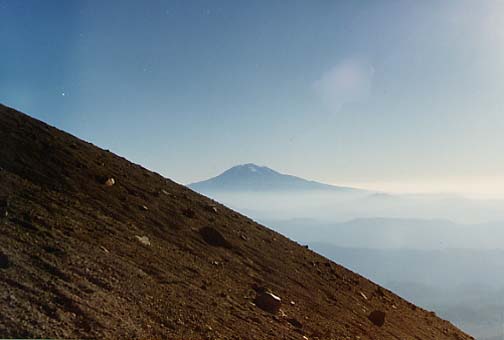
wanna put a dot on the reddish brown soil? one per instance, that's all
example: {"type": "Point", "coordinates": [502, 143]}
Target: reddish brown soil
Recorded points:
{"type": "Point", "coordinates": [71, 264]}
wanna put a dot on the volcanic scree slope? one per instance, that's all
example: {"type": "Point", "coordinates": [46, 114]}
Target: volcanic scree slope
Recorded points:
{"type": "Point", "coordinates": [92, 245]}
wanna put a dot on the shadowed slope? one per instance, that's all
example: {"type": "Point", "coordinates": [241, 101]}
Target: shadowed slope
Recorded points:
{"type": "Point", "coordinates": [146, 257]}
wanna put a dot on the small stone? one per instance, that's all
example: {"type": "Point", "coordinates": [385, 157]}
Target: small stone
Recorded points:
{"type": "Point", "coordinates": [4, 205]}
{"type": "Point", "coordinates": [109, 182]}
{"type": "Point", "coordinates": [104, 249]}
{"type": "Point", "coordinates": [143, 240]}
{"type": "Point", "coordinates": [144, 207]}
{"type": "Point", "coordinates": [377, 317]}
{"type": "Point", "coordinates": [363, 295]}
{"type": "Point", "coordinates": [295, 322]}
{"type": "Point", "coordinates": [268, 302]}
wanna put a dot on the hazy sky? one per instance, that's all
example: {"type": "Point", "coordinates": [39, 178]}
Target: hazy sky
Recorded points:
{"type": "Point", "coordinates": [399, 95]}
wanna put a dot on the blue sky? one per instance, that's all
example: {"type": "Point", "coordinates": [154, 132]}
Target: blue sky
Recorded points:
{"type": "Point", "coordinates": [395, 95]}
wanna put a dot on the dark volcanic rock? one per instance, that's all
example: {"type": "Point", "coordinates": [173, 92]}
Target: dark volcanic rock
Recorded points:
{"type": "Point", "coordinates": [5, 261]}
{"type": "Point", "coordinates": [295, 322]}
{"type": "Point", "coordinates": [377, 317]}
{"type": "Point", "coordinates": [268, 301]}
{"type": "Point", "coordinates": [213, 237]}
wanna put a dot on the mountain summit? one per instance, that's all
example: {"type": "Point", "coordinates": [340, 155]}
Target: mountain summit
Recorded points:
{"type": "Point", "coordinates": [251, 177]}
{"type": "Point", "coordinates": [93, 246]}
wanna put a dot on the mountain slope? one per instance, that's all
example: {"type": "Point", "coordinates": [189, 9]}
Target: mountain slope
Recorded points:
{"type": "Point", "coordinates": [95, 246]}
{"type": "Point", "coordinates": [251, 177]}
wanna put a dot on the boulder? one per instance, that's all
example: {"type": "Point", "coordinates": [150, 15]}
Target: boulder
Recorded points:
{"type": "Point", "coordinates": [5, 261]}
{"type": "Point", "coordinates": [268, 302]}
{"type": "Point", "coordinates": [213, 237]}
{"type": "Point", "coordinates": [377, 317]}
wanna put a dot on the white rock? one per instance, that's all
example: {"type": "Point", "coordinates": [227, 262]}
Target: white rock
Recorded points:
{"type": "Point", "coordinates": [143, 240]}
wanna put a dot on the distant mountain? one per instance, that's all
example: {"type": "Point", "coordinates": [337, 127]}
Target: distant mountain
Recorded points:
{"type": "Point", "coordinates": [251, 177]}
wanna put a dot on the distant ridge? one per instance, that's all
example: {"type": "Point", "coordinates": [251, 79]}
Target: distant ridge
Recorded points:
{"type": "Point", "coordinates": [252, 177]}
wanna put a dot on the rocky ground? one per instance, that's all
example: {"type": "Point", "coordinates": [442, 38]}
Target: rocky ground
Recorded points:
{"type": "Point", "coordinates": [93, 246]}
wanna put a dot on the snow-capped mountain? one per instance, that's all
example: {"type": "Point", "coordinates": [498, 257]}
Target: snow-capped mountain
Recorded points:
{"type": "Point", "coordinates": [251, 177]}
